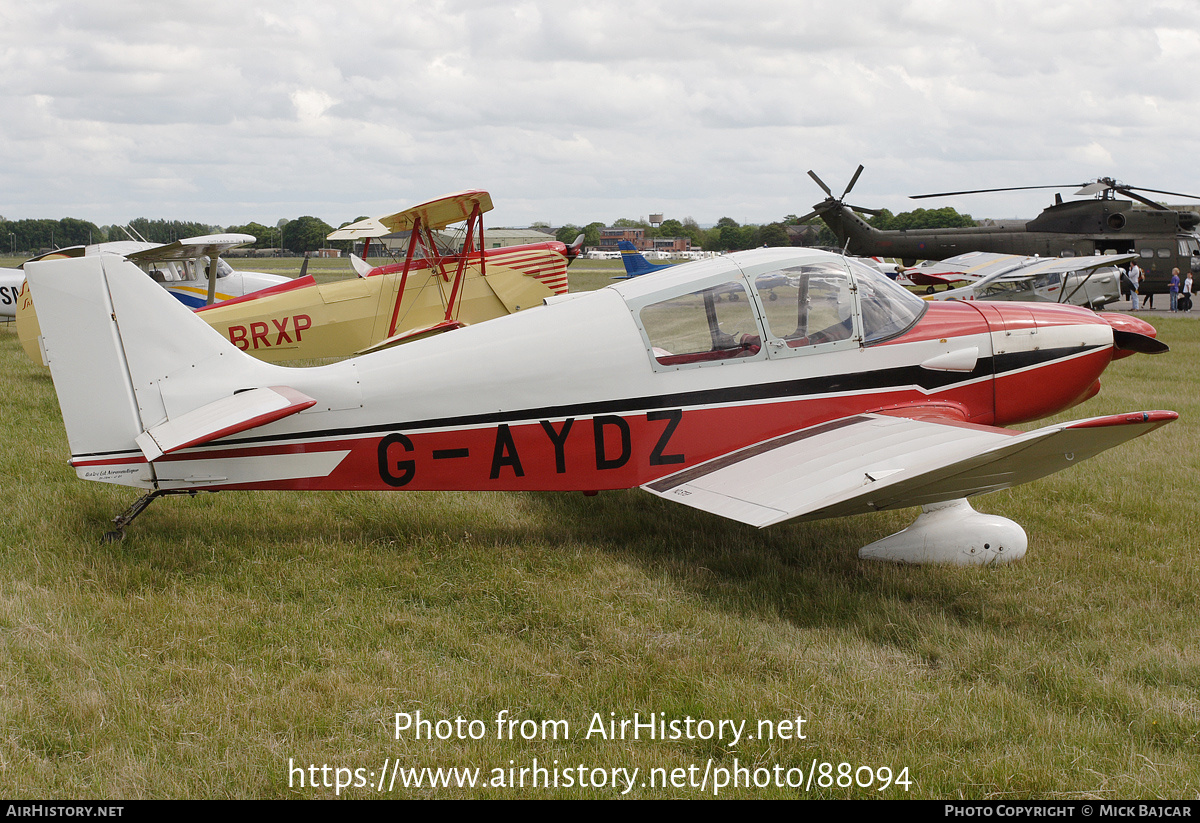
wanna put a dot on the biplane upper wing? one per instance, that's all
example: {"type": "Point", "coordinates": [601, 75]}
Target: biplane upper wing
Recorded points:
{"type": "Point", "coordinates": [190, 248]}
{"type": "Point", "coordinates": [869, 462]}
{"type": "Point", "coordinates": [441, 212]}
{"type": "Point", "coordinates": [434, 215]}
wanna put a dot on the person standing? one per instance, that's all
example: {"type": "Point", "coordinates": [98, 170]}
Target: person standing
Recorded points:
{"type": "Point", "coordinates": [1135, 280]}
{"type": "Point", "coordinates": [1173, 285]}
{"type": "Point", "coordinates": [1185, 299]}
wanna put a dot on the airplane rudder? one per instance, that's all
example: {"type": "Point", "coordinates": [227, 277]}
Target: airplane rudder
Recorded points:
{"type": "Point", "coordinates": [83, 348]}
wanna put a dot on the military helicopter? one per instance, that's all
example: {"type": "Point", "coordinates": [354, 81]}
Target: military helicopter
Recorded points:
{"type": "Point", "coordinates": [1163, 238]}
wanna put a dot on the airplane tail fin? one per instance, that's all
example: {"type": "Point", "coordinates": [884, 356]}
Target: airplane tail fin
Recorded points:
{"type": "Point", "coordinates": [635, 263]}
{"type": "Point", "coordinates": [575, 248]}
{"type": "Point", "coordinates": [126, 357]}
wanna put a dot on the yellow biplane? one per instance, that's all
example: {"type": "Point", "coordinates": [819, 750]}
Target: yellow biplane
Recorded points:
{"type": "Point", "coordinates": [431, 291]}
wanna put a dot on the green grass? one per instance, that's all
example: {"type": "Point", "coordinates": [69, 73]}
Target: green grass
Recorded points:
{"type": "Point", "coordinates": [230, 633]}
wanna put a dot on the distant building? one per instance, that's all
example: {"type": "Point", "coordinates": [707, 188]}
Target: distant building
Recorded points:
{"type": "Point", "coordinates": [672, 244]}
{"type": "Point", "coordinates": [503, 238]}
{"type": "Point", "coordinates": [609, 237]}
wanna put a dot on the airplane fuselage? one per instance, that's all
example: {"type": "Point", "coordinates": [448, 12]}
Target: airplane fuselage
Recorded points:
{"type": "Point", "coordinates": [585, 395]}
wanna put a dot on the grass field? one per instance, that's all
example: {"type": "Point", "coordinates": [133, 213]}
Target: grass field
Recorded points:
{"type": "Point", "coordinates": [234, 640]}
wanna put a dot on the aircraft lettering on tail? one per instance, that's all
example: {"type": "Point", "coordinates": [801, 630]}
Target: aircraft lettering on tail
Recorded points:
{"type": "Point", "coordinates": [11, 281]}
{"type": "Point", "coordinates": [845, 394]}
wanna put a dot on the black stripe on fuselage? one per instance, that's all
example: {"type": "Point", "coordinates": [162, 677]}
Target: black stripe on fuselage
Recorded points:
{"type": "Point", "coordinates": [883, 379]}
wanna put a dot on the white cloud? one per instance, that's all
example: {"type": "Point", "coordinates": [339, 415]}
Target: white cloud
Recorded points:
{"type": "Point", "coordinates": [226, 112]}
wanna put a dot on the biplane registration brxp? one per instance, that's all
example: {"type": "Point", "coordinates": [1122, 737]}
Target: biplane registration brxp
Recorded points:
{"type": "Point", "coordinates": [428, 293]}
{"type": "Point", "coordinates": [845, 394]}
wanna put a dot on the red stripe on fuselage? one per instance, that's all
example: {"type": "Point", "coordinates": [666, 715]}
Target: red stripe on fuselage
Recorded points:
{"type": "Point", "coordinates": [588, 453]}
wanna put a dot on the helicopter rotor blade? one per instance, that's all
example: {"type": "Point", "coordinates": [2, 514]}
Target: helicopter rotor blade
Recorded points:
{"type": "Point", "coordinates": [820, 182]}
{"type": "Point", "coordinates": [1127, 189]}
{"type": "Point", "coordinates": [1145, 200]}
{"type": "Point", "coordinates": [985, 191]}
{"type": "Point", "coordinates": [853, 180]}
{"type": "Point", "coordinates": [807, 217]}
{"type": "Point", "coordinates": [863, 210]}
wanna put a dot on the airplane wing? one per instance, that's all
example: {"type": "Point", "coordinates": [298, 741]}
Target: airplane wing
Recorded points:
{"type": "Point", "coordinates": [1062, 265]}
{"type": "Point", "coordinates": [870, 462]}
{"type": "Point", "coordinates": [435, 214]}
{"type": "Point", "coordinates": [990, 265]}
{"type": "Point", "coordinates": [190, 248]}
{"type": "Point", "coordinates": [368, 227]}
{"type": "Point", "coordinates": [221, 418]}
{"type": "Point", "coordinates": [970, 266]}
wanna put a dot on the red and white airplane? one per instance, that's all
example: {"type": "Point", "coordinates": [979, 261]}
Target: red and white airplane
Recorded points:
{"type": "Point", "coordinates": [845, 394]}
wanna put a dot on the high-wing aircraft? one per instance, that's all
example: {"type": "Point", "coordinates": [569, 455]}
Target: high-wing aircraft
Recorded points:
{"type": "Point", "coordinates": [1081, 281]}
{"type": "Point", "coordinates": [635, 262]}
{"type": "Point", "coordinates": [847, 394]}
{"type": "Point", "coordinates": [179, 266]}
{"type": "Point", "coordinates": [1162, 238]}
{"type": "Point", "coordinates": [430, 292]}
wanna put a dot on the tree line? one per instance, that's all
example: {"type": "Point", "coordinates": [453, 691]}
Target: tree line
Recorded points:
{"type": "Point", "coordinates": [305, 234]}
{"type": "Point", "coordinates": [729, 235]}
{"type": "Point", "coordinates": [30, 237]}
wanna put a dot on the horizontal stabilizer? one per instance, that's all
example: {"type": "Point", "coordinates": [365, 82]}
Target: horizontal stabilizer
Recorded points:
{"type": "Point", "coordinates": [884, 461]}
{"type": "Point", "coordinates": [221, 418]}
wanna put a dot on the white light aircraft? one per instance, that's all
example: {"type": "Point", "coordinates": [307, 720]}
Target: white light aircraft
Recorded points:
{"type": "Point", "coordinates": [181, 266]}
{"type": "Point", "coordinates": [1081, 281]}
{"type": "Point", "coordinates": [846, 394]}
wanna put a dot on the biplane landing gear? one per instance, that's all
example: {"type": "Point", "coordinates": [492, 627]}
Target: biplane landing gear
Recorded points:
{"type": "Point", "coordinates": [126, 517]}
{"type": "Point", "coordinates": [952, 532]}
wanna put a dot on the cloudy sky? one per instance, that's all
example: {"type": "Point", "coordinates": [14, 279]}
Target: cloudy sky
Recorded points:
{"type": "Point", "coordinates": [225, 112]}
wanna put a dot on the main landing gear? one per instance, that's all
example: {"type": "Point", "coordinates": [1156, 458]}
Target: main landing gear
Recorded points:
{"type": "Point", "coordinates": [952, 532]}
{"type": "Point", "coordinates": [126, 517]}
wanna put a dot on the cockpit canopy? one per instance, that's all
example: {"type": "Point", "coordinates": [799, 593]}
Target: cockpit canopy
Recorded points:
{"type": "Point", "coordinates": [767, 303]}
